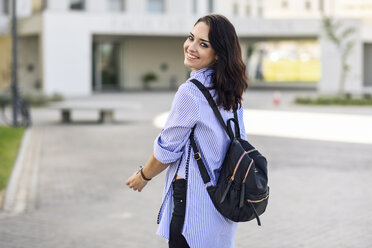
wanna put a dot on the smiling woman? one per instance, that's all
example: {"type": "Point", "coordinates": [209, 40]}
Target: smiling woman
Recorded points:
{"type": "Point", "coordinates": [213, 53]}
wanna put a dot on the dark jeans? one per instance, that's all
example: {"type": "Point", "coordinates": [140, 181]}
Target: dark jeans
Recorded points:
{"type": "Point", "coordinates": [176, 239]}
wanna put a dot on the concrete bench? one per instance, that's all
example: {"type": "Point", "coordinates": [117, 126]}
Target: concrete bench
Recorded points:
{"type": "Point", "coordinates": [105, 115]}
{"type": "Point", "coordinates": [106, 110]}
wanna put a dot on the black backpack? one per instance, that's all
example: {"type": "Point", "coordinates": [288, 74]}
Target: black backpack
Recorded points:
{"type": "Point", "coordinates": [241, 193]}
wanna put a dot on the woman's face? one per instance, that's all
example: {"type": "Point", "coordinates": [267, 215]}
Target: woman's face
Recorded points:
{"type": "Point", "coordinates": [198, 51]}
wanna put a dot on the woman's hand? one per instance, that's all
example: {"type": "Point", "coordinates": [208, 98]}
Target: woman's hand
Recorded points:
{"type": "Point", "coordinates": [136, 182]}
{"type": "Point", "coordinates": [152, 168]}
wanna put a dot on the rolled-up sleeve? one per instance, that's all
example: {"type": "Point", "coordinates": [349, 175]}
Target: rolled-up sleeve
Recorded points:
{"type": "Point", "coordinates": [184, 113]}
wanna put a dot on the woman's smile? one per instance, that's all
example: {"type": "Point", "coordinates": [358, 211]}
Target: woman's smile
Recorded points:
{"type": "Point", "coordinates": [191, 57]}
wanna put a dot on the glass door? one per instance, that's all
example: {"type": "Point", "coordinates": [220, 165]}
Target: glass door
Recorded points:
{"type": "Point", "coordinates": [106, 66]}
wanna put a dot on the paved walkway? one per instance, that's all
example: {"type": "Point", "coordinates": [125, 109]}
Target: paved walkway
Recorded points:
{"type": "Point", "coordinates": [74, 193]}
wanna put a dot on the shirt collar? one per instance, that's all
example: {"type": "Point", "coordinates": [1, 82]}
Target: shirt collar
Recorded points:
{"type": "Point", "coordinates": [204, 76]}
{"type": "Point", "coordinates": [207, 71]}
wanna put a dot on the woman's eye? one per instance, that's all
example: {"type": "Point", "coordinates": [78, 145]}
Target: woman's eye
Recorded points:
{"type": "Point", "coordinates": [190, 37]}
{"type": "Point", "coordinates": [204, 45]}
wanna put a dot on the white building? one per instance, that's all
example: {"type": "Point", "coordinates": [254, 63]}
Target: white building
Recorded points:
{"type": "Point", "coordinates": [77, 47]}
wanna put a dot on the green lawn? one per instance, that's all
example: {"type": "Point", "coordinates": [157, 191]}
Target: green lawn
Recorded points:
{"type": "Point", "coordinates": [10, 139]}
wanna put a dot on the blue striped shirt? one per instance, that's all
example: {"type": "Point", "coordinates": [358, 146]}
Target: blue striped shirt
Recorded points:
{"type": "Point", "coordinates": [204, 226]}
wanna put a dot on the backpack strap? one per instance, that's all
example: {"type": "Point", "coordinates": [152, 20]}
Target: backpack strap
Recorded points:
{"type": "Point", "coordinates": [237, 129]}
{"type": "Point", "coordinates": [197, 156]}
{"type": "Point", "coordinates": [236, 116]}
{"type": "Point", "coordinates": [213, 105]}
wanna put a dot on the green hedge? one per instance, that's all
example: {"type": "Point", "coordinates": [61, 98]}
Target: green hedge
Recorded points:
{"type": "Point", "coordinates": [10, 139]}
{"type": "Point", "coordinates": [33, 99]}
{"type": "Point", "coordinates": [329, 100]}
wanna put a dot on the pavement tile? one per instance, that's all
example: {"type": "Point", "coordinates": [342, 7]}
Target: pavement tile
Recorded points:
{"type": "Point", "coordinates": [320, 190]}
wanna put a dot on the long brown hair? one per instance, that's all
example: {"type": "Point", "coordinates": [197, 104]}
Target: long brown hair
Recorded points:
{"type": "Point", "coordinates": [229, 78]}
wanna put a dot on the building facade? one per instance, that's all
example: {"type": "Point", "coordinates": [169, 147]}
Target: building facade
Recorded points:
{"type": "Point", "coordinates": [78, 47]}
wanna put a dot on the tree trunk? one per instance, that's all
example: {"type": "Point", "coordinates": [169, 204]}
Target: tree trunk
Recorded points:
{"type": "Point", "coordinates": [341, 90]}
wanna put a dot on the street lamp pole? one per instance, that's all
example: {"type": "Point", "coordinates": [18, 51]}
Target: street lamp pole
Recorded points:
{"type": "Point", "coordinates": [14, 64]}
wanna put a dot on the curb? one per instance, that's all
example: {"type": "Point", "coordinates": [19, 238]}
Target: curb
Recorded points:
{"type": "Point", "coordinates": [1, 198]}
{"type": "Point", "coordinates": [23, 177]}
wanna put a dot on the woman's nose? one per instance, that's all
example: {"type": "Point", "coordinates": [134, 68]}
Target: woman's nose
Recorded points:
{"type": "Point", "coordinates": [192, 47]}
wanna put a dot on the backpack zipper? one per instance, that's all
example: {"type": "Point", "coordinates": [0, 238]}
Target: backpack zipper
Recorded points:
{"type": "Point", "coordinates": [237, 165]}
{"type": "Point", "coordinates": [246, 174]}
{"type": "Point", "coordinates": [232, 177]}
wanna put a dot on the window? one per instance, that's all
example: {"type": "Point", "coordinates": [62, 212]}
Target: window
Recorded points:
{"type": "Point", "coordinates": [155, 6]}
{"type": "Point", "coordinates": [6, 7]}
{"type": "Point", "coordinates": [235, 9]}
{"type": "Point", "coordinates": [194, 6]}
{"type": "Point", "coordinates": [321, 6]}
{"type": "Point", "coordinates": [284, 4]}
{"type": "Point", "coordinates": [307, 5]}
{"type": "Point", "coordinates": [248, 10]}
{"type": "Point", "coordinates": [77, 4]}
{"type": "Point", "coordinates": [38, 5]}
{"type": "Point", "coordinates": [45, 4]}
{"type": "Point", "coordinates": [210, 6]}
{"type": "Point", "coordinates": [116, 5]}
{"type": "Point", "coordinates": [259, 11]}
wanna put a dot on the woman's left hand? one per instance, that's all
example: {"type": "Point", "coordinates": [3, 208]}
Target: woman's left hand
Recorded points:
{"type": "Point", "coordinates": [136, 182]}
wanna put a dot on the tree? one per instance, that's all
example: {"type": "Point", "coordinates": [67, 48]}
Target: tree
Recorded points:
{"type": "Point", "coordinates": [340, 37]}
